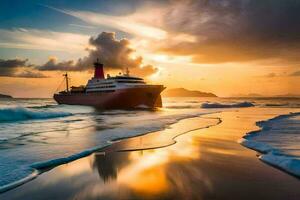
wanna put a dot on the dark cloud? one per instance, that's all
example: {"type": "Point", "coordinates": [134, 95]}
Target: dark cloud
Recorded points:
{"type": "Point", "coordinates": [17, 68]}
{"type": "Point", "coordinates": [296, 73]}
{"type": "Point", "coordinates": [9, 67]}
{"type": "Point", "coordinates": [146, 70]}
{"type": "Point", "coordinates": [113, 53]}
{"type": "Point", "coordinates": [30, 74]}
{"type": "Point", "coordinates": [53, 65]}
{"type": "Point", "coordinates": [235, 30]}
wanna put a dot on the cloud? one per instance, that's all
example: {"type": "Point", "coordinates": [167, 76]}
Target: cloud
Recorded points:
{"type": "Point", "coordinates": [113, 53]}
{"type": "Point", "coordinates": [82, 26]}
{"type": "Point", "coordinates": [212, 31]}
{"type": "Point", "coordinates": [296, 73]}
{"type": "Point", "coordinates": [9, 67]}
{"type": "Point", "coordinates": [53, 65]}
{"type": "Point", "coordinates": [145, 70]}
{"type": "Point", "coordinates": [234, 31]}
{"type": "Point", "coordinates": [30, 74]}
{"type": "Point", "coordinates": [126, 24]}
{"type": "Point", "coordinates": [15, 68]}
{"type": "Point", "coordinates": [43, 40]}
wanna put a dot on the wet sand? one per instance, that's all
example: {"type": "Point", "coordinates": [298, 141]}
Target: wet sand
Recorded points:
{"type": "Point", "coordinates": [205, 163]}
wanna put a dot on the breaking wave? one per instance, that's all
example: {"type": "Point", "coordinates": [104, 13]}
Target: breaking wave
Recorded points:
{"type": "Point", "coordinates": [223, 105]}
{"type": "Point", "coordinates": [276, 104]}
{"type": "Point", "coordinates": [286, 163]}
{"type": "Point", "coordinates": [44, 106]}
{"type": "Point", "coordinates": [272, 139]}
{"type": "Point", "coordinates": [20, 113]}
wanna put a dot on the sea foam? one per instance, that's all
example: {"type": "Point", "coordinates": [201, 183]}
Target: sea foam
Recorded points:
{"type": "Point", "coordinates": [286, 163]}
{"type": "Point", "coordinates": [277, 141]}
{"type": "Point", "coordinates": [20, 113]}
{"type": "Point", "coordinates": [227, 105]}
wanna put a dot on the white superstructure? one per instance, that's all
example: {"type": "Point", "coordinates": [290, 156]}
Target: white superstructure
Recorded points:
{"type": "Point", "coordinates": [113, 83]}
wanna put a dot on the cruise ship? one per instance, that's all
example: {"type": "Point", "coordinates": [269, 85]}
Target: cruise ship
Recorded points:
{"type": "Point", "coordinates": [113, 92]}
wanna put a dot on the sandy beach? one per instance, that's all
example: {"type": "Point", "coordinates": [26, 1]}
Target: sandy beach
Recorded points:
{"type": "Point", "coordinates": [150, 100]}
{"type": "Point", "coordinates": [181, 162]}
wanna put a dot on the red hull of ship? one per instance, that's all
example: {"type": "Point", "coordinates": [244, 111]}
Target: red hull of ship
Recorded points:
{"type": "Point", "coordinates": [118, 99]}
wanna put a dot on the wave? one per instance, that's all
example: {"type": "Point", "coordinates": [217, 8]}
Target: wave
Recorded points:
{"type": "Point", "coordinates": [17, 183]}
{"type": "Point", "coordinates": [283, 105]}
{"type": "Point", "coordinates": [64, 160]}
{"type": "Point", "coordinates": [142, 106]}
{"type": "Point", "coordinates": [20, 113]}
{"type": "Point", "coordinates": [34, 169]}
{"type": "Point", "coordinates": [44, 106]}
{"type": "Point", "coordinates": [286, 163]}
{"type": "Point", "coordinates": [270, 154]}
{"type": "Point", "coordinates": [276, 104]}
{"type": "Point", "coordinates": [231, 105]}
{"type": "Point", "coordinates": [266, 125]}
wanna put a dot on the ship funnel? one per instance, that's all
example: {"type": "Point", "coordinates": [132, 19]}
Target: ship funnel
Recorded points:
{"type": "Point", "coordinates": [99, 73]}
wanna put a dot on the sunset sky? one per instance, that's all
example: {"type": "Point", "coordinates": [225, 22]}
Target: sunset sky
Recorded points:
{"type": "Point", "coordinates": [227, 47]}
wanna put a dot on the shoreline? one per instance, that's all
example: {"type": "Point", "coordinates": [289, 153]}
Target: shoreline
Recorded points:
{"type": "Point", "coordinates": [44, 166]}
{"type": "Point", "coordinates": [173, 141]}
{"type": "Point", "coordinates": [266, 150]}
{"type": "Point", "coordinates": [222, 147]}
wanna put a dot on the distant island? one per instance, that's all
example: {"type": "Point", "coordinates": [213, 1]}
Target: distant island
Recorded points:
{"type": "Point", "coordinates": [182, 92]}
{"type": "Point", "coordinates": [5, 96]}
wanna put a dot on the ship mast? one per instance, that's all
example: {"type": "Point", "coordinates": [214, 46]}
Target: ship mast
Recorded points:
{"type": "Point", "coordinates": [67, 81]}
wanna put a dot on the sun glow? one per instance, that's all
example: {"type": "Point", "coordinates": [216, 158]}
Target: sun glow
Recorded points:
{"type": "Point", "coordinates": [148, 168]}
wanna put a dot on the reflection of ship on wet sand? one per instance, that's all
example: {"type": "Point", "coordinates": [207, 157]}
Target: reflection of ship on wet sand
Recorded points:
{"type": "Point", "coordinates": [108, 165]}
{"type": "Point", "coordinates": [137, 166]}
{"type": "Point", "coordinates": [147, 173]}
{"type": "Point", "coordinates": [123, 91]}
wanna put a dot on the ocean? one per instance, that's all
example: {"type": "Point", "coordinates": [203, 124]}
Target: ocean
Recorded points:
{"type": "Point", "coordinates": [38, 133]}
